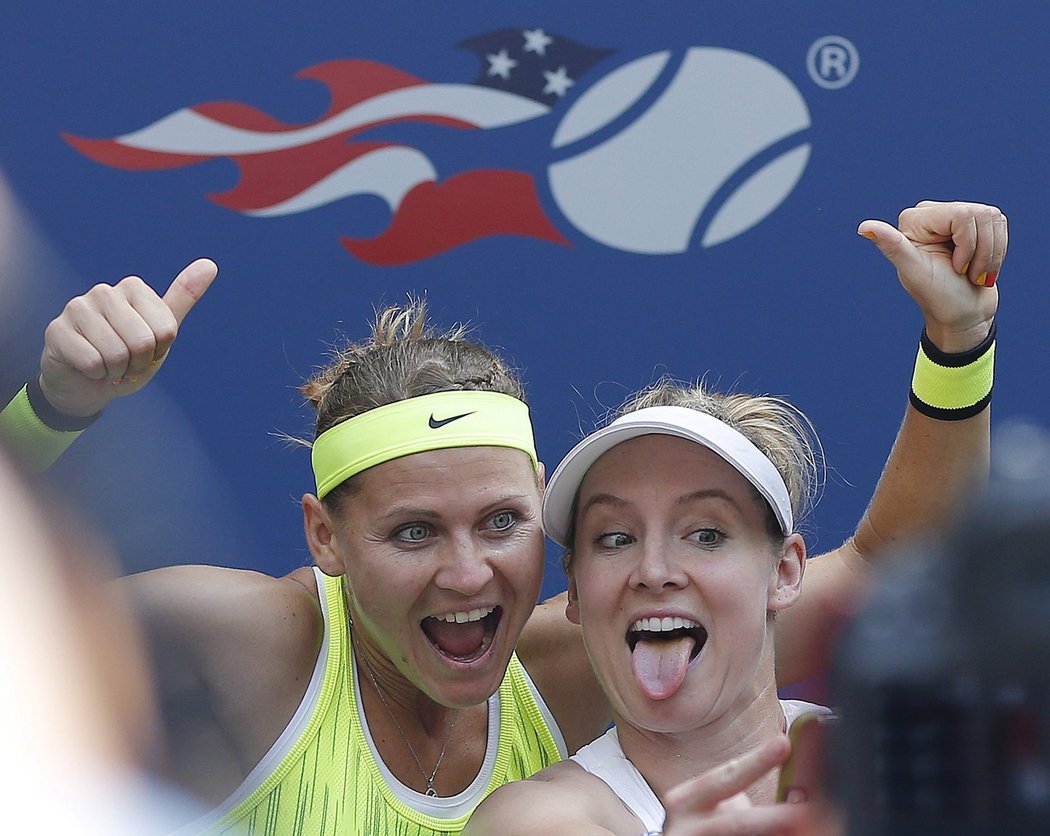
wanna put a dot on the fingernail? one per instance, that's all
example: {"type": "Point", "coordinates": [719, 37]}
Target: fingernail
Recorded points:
{"type": "Point", "coordinates": [990, 279]}
{"type": "Point", "coordinates": [982, 280]}
{"type": "Point", "coordinates": [871, 236]}
{"type": "Point", "coordinates": [116, 382]}
{"type": "Point", "coordinates": [966, 267]}
{"type": "Point", "coordinates": [132, 379]}
{"type": "Point", "coordinates": [795, 795]}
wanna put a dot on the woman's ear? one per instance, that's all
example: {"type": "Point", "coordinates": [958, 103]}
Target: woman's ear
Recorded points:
{"type": "Point", "coordinates": [572, 604]}
{"type": "Point", "coordinates": [785, 584]}
{"type": "Point", "coordinates": [321, 536]}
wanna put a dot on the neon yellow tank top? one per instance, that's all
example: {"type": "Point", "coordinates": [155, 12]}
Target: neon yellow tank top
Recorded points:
{"type": "Point", "coordinates": [323, 776]}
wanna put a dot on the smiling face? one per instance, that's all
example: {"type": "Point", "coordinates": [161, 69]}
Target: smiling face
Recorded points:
{"type": "Point", "coordinates": [674, 574]}
{"type": "Point", "coordinates": [443, 557]}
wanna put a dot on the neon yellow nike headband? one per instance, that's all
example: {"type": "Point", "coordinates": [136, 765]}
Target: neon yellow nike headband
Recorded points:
{"type": "Point", "coordinates": [415, 425]}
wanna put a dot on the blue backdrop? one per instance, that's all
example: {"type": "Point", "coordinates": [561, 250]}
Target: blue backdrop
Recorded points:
{"type": "Point", "coordinates": [608, 192]}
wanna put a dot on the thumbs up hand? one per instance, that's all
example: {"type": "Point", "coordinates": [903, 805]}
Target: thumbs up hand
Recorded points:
{"type": "Point", "coordinates": [948, 257]}
{"type": "Point", "coordinates": [111, 341]}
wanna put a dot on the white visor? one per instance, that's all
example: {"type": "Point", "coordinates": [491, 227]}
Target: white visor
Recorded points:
{"type": "Point", "coordinates": [560, 494]}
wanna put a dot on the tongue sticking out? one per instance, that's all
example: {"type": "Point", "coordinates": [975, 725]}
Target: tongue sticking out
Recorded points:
{"type": "Point", "coordinates": [460, 641]}
{"type": "Point", "coordinates": [659, 665]}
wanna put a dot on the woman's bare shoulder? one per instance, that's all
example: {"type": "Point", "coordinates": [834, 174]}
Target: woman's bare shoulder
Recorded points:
{"type": "Point", "coordinates": [239, 634]}
{"type": "Point", "coordinates": [563, 798]}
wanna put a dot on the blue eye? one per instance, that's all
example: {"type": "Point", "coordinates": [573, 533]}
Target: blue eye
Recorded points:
{"type": "Point", "coordinates": [614, 540]}
{"type": "Point", "coordinates": [504, 520]}
{"type": "Point", "coordinates": [414, 533]}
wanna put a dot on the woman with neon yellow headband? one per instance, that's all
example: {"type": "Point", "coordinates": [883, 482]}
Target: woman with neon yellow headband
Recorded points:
{"type": "Point", "coordinates": [381, 692]}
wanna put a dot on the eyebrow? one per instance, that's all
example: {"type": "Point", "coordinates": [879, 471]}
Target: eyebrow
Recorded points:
{"type": "Point", "coordinates": [600, 499]}
{"type": "Point", "coordinates": [708, 493]}
{"type": "Point", "coordinates": [611, 500]}
{"type": "Point", "coordinates": [408, 511]}
{"type": "Point", "coordinates": [420, 512]}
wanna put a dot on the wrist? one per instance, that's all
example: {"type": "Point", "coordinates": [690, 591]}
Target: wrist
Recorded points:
{"type": "Point", "coordinates": [61, 404]}
{"type": "Point", "coordinates": [952, 340]}
{"type": "Point", "coordinates": [952, 386]}
{"type": "Point", "coordinates": [50, 415]}
{"type": "Point", "coordinates": [34, 431]}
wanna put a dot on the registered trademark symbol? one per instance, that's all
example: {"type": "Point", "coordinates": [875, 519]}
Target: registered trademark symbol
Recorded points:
{"type": "Point", "coordinates": [832, 62]}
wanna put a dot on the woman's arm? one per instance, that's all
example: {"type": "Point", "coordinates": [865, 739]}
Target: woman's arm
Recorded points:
{"type": "Point", "coordinates": [232, 653]}
{"type": "Point", "coordinates": [105, 344]}
{"type": "Point", "coordinates": [947, 257]}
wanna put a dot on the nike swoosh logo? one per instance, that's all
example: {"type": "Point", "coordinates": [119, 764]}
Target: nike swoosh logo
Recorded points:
{"type": "Point", "coordinates": [436, 424]}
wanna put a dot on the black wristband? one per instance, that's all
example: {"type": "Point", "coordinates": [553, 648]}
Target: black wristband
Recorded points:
{"type": "Point", "coordinates": [963, 358]}
{"type": "Point", "coordinates": [51, 417]}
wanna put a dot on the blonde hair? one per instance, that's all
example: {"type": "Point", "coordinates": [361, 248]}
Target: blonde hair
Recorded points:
{"type": "Point", "coordinates": [780, 430]}
{"type": "Point", "coordinates": [404, 357]}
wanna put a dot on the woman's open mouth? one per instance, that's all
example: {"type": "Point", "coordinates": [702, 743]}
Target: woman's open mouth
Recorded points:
{"type": "Point", "coordinates": [661, 650]}
{"type": "Point", "coordinates": [464, 635]}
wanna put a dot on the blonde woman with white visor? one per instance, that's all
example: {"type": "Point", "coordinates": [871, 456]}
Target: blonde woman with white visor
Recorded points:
{"type": "Point", "coordinates": [678, 524]}
{"type": "Point", "coordinates": [391, 686]}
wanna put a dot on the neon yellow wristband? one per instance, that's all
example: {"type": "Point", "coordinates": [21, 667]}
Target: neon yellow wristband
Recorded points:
{"type": "Point", "coordinates": [951, 387]}
{"type": "Point", "coordinates": [35, 443]}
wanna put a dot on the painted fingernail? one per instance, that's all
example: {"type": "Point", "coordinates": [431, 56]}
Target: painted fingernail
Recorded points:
{"type": "Point", "coordinates": [871, 236]}
{"type": "Point", "coordinates": [982, 280]}
{"type": "Point", "coordinates": [990, 279]}
{"type": "Point", "coordinates": [966, 267]}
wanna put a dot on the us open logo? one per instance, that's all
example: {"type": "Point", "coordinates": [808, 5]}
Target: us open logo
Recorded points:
{"type": "Point", "coordinates": [651, 155]}
{"type": "Point", "coordinates": [718, 147]}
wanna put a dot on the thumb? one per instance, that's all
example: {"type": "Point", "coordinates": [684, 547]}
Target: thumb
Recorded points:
{"type": "Point", "coordinates": [189, 286]}
{"type": "Point", "coordinates": [893, 244]}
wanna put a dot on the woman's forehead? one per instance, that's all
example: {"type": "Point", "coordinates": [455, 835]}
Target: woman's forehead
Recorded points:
{"type": "Point", "coordinates": [674, 468]}
{"type": "Point", "coordinates": [464, 469]}
{"type": "Point", "coordinates": [660, 458]}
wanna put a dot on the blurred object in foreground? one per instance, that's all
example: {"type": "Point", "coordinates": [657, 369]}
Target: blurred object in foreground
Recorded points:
{"type": "Point", "coordinates": [943, 681]}
{"type": "Point", "coordinates": [76, 700]}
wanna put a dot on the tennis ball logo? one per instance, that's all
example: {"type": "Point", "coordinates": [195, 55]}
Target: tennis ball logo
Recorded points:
{"type": "Point", "coordinates": [657, 155]}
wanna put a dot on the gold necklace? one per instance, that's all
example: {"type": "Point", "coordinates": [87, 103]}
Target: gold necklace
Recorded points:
{"type": "Point", "coordinates": [430, 791]}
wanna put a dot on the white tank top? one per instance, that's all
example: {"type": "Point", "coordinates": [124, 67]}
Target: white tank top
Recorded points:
{"type": "Point", "coordinates": [605, 759]}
